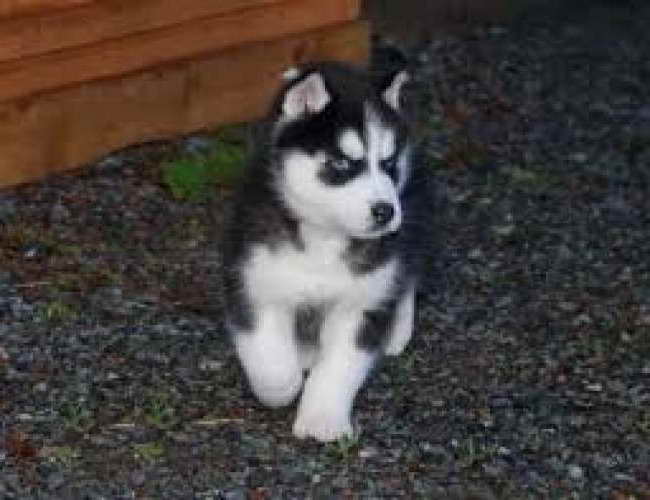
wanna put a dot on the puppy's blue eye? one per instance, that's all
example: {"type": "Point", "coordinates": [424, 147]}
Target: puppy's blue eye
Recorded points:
{"type": "Point", "coordinates": [338, 164]}
{"type": "Point", "coordinates": [338, 171]}
{"type": "Point", "coordinates": [389, 163]}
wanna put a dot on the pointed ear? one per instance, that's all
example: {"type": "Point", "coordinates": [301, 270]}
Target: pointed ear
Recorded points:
{"type": "Point", "coordinates": [393, 91]}
{"type": "Point", "coordinates": [308, 95]}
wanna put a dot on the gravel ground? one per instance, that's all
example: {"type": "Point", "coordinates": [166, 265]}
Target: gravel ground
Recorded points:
{"type": "Point", "coordinates": [529, 376]}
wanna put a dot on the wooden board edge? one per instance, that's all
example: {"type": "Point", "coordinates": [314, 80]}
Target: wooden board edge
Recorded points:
{"type": "Point", "coordinates": [147, 50]}
{"type": "Point", "coordinates": [63, 130]}
{"type": "Point", "coordinates": [91, 22]}
{"type": "Point", "coordinates": [20, 8]}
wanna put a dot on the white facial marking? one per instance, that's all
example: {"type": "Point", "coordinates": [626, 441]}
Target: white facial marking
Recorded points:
{"type": "Point", "coordinates": [403, 167]}
{"type": "Point", "coordinates": [351, 145]}
{"type": "Point", "coordinates": [381, 145]}
{"type": "Point", "coordinates": [381, 139]}
{"type": "Point", "coordinates": [387, 145]}
{"type": "Point", "coordinates": [343, 210]}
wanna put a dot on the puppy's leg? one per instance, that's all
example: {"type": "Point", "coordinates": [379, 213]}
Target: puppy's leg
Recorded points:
{"type": "Point", "coordinates": [326, 403]}
{"type": "Point", "coordinates": [403, 324]}
{"type": "Point", "coordinates": [269, 355]}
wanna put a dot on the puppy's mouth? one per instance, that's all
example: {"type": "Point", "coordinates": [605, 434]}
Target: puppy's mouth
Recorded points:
{"type": "Point", "coordinates": [381, 232]}
{"type": "Point", "coordinates": [392, 227]}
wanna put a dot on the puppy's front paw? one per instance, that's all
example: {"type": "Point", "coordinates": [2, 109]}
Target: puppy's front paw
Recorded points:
{"type": "Point", "coordinates": [279, 389]}
{"type": "Point", "coordinates": [322, 425]}
{"type": "Point", "coordinates": [276, 385]}
{"type": "Point", "coordinates": [396, 346]}
{"type": "Point", "coordinates": [398, 342]}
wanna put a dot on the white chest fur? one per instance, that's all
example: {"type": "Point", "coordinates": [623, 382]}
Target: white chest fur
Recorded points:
{"type": "Point", "coordinates": [317, 273]}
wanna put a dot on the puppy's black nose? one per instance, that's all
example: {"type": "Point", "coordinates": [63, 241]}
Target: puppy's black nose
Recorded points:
{"type": "Point", "coordinates": [382, 213]}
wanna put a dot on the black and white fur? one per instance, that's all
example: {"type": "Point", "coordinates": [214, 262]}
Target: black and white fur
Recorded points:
{"type": "Point", "coordinates": [321, 253]}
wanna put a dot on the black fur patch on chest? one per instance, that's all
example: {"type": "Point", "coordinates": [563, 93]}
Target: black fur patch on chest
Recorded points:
{"type": "Point", "coordinates": [308, 320]}
{"type": "Point", "coordinates": [377, 326]}
{"type": "Point", "coordinates": [365, 256]}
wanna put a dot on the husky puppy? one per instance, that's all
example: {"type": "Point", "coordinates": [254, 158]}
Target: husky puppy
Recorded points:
{"type": "Point", "coordinates": [320, 256]}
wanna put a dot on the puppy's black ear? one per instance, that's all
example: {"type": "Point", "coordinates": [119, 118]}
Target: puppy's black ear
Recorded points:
{"type": "Point", "coordinates": [389, 71]}
{"type": "Point", "coordinates": [307, 95]}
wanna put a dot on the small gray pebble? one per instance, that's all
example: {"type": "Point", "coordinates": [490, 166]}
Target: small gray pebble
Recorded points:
{"type": "Point", "coordinates": [234, 494]}
{"type": "Point", "coordinates": [55, 481]}
{"type": "Point", "coordinates": [576, 472]}
{"type": "Point", "coordinates": [138, 478]}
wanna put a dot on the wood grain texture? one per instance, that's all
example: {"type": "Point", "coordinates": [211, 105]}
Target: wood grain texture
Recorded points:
{"type": "Point", "coordinates": [101, 20]}
{"type": "Point", "coordinates": [14, 8]}
{"type": "Point", "coordinates": [136, 52]}
{"type": "Point", "coordinates": [67, 128]}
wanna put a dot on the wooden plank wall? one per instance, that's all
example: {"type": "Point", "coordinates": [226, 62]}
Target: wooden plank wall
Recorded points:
{"type": "Point", "coordinates": [60, 109]}
{"type": "Point", "coordinates": [151, 48]}
{"type": "Point", "coordinates": [104, 20]}
{"type": "Point", "coordinates": [14, 8]}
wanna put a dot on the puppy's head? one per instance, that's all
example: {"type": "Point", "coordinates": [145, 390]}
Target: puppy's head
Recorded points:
{"type": "Point", "coordinates": [342, 149]}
